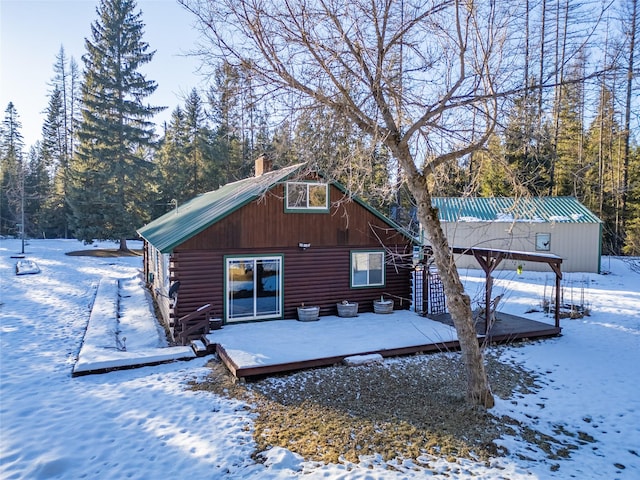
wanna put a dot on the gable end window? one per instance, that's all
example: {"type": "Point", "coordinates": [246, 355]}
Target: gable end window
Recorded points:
{"type": "Point", "coordinates": [307, 196]}
{"type": "Point", "coordinates": [367, 269]}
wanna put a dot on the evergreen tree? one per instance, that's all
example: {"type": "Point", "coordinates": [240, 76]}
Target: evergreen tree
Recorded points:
{"type": "Point", "coordinates": [65, 84]}
{"type": "Point", "coordinates": [58, 137]}
{"type": "Point", "coordinates": [53, 151]}
{"type": "Point", "coordinates": [203, 173]}
{"type": "Point", "coordinates": [527, 150]}
{"type": "Point", "coordinates": [603, 179]}
{"type": "Point", "coordinates": [171, 161]}
{"type": "Point", "coordinates": [281, 143]}
{"type": "Point", "coordinates": [569, 166]}
{"type": "Point", "coordinates": [109, 171]}
{"type": "Point", "coordinates": [497, 172]}
{"type": "Point", "coordinates": [632, 231]}
{"type": "Point", "coordinates": [37, 191]}
{"type": "Point", "coordinates": [53, 130]}
{"type": "Point", "coordinates": [11, 171]}
{"type": "Point", "coordinates": [229, 144]}
{"type": "Point", "coordinates": [630, 28]}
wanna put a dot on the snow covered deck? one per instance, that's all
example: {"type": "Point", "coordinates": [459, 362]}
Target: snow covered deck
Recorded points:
{"type": "Point", "coordinates": [284, 345]}
{"type": "Point", "coordinates": [121, 310]}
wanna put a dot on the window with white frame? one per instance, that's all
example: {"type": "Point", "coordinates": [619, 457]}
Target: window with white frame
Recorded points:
{"type": "Point", "coordinates": [367, 269]}
{"type": "Point", "coordinates": [309, 196]}
{"type": "Point", "coordinates": [543, 242]}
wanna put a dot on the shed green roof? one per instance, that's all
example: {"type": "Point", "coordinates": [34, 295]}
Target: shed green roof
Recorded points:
{"type": "Point", "coordinates": [511, 209]}
{"type": "Point", "coordinates": [192, 217]}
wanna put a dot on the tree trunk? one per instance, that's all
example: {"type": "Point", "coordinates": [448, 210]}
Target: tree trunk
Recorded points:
{"type": "Point", "coordinates": [458, 302]}
{"type": "Point", "coordinates": [627, 117]}
{"type": "Point", "coordinates": [123, 245]}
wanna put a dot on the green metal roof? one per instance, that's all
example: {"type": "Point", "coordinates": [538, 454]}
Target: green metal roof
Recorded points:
{"type": "Point", "coordinates": [510, 209]}
{"type": "Point", "coordinates": [177, 226]}
{"type": "Point", "coordinates": [189, 219]}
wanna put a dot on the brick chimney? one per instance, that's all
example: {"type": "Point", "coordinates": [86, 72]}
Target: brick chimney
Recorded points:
{"type": "Point", "coordinates": [262, 165]}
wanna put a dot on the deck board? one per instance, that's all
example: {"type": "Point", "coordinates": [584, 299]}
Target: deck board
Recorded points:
{"type": "Point", "coordinates": [265, 348]}
{"type": "Point", "coordinates": [508, 327]}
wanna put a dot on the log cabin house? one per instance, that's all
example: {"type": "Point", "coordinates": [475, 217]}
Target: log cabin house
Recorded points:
{"type": "Point", "coordinates": [258, 248]}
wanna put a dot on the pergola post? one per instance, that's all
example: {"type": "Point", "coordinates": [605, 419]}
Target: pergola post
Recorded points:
{"type": "Point", "coordinates": [489, 259]}
{"type": "Point", "coordinates": [488, 262]}
{"type": "Point", "coordinates": [556, 268]}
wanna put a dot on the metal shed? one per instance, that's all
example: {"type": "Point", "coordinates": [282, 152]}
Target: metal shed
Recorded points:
{"type": "Point", "coordinates": [559, 226]}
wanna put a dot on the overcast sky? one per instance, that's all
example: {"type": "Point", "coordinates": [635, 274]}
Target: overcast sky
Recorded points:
{"type": "Point", "coordinates": [32, 31]}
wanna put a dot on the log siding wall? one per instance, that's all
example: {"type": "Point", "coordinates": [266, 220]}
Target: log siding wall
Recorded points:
{"type": "Point", "coordinates": [313, 277]}
{"type": "Point", "coordinates": [318, 275]}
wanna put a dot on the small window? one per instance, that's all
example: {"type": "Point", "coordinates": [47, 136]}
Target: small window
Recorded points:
{"type": "Point", "coordinates": [367, 269]}
{"type": "Point", "coordinates": [307, 196]}
{"type": "Point", "coordinates": [543, 242]}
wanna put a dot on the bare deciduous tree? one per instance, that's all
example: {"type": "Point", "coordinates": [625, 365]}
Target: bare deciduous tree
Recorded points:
{"type": "Point", "coordinates": [419, 77]}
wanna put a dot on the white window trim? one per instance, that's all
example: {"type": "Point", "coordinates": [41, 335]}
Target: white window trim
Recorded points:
{"type": "Point", "coordinates": [307, 207]}
{"type": "Point", "coordinates": [368, 284]}
{"type": "Point", "coordinates": [543, 247]}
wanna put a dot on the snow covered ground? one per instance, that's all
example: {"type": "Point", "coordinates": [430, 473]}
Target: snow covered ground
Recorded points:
{"type": "Point", "coordinates": [145, 423]}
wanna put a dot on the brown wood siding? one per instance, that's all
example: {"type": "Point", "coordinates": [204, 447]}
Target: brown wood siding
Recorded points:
{"type": "Point", "coordinates": [317, 276]}
{"type": "Point", "coordinates": [201, 276]}
{"type": "Point", "coordinates": [263, 223]}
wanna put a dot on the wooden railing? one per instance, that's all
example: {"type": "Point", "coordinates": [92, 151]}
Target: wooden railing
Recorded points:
{"type": "Point", "coordinates": [197, 321]}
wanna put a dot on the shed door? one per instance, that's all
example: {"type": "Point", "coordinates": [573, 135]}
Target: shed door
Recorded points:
{"type": "Point", "coordinates": [254, 288]}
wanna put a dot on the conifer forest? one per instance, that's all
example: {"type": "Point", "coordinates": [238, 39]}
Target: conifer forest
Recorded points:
{"type": "Point", "coordinates": [565, 112]}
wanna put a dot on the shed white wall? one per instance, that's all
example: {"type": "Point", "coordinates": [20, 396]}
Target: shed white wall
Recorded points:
{"type": "Point", "coordinates": [578, 244]}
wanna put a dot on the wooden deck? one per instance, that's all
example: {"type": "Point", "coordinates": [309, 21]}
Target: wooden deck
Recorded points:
{"type": "Point", "coordinates": [507, 328]}
{"type": "Point", "coordinates": [257, 349]}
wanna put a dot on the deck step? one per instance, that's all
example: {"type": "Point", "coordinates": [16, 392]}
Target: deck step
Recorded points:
{"type": "Point", "coordinates": [208, 341]}
{"type": "Point", "coordinates": [199, 348]}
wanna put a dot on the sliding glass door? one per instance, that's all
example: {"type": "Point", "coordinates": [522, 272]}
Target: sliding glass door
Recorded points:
{"type": "Point", "coordinates": [254, 288]}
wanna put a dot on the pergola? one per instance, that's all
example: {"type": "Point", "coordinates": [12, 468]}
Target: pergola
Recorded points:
{"type": "Point", "coordinates": [489, 259]}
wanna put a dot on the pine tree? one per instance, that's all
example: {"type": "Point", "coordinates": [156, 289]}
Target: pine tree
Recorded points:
{"type": "Point", "coordinates": [109, 171]}
{"type": "Point", "coordinates": [11, 171]}
{"type": "Point", "coordinates": [570, 167]}
{"type": "Point", "coordinates": [603, 182]}
{"type": "Point", "coordinates": [496, 171]}
{"type": "Point", "coordinates": [59, 139]}
{"type": "Point", "coordinates": [65, 82]}
{"type": "Point", "coordinates": [230, 145]}
{"type": "Point", "coordinates": [171, 161]}
{"type": "Point", "coordinates": [335, 147]}
{"type": "Point", "coordinates": [37, 192]}
{"type": "Point", "coordinates": [53, 151]}
{"type": "Point", "coordinates": [632, 230]}
{"type": "Point", "coordinates": [200, 162]}
{"type": "Point", "coordinates": [527, 150]}
{"type": "Point", "coordinates": [631, 90]}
